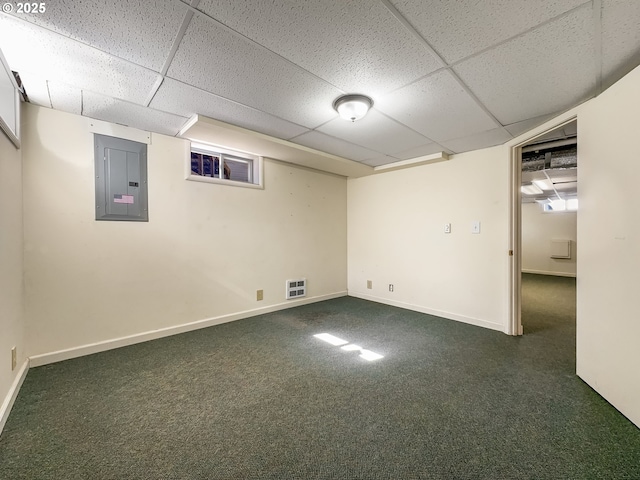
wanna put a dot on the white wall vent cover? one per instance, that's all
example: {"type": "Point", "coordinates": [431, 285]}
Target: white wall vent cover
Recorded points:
{"type": "Point", "coordinates": [560, 248]}
{"type": "Point", "coordinates": [296, 288]}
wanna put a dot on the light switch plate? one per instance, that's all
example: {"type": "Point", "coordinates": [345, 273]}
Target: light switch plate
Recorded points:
{"type": "Point", "coordinates": [447, 228]}
{"type": "Point", "coordinates": [475, 226]}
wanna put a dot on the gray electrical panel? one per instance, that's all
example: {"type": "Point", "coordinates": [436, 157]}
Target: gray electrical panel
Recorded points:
{"type": "Point", "coordinates": [121, 179]}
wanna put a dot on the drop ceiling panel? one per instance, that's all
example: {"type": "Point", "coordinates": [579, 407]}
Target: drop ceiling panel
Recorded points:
{"type": "Point", "coordinates": [61, 59]}
{"type": "Point", "coordinates": [523, 126]}
{"type": "Point", "coordinates": [65, 97]}
{"type": "Point", "coordinates": [460, 28]}
{"type": "Point", "coordinates": [546, 70]}
{"type": "Point", "coordinates": [497, 136]}
{"type": "Point", "coordinates": [37, 88]}
{"type": "Point", "coordinates": [377, 131]}
{"type": "Point", "coordinates": [185, 100]}
{"type": "Point", "coordinates": [620, 38]}
{"type": "Point", "coordinates": [438, 107]}
{"type": "Point", "coordinates": [117, 28]}
{"type": "Point", "coordinates": [125, 113]}
{"type": "Point", "coordinates": [335, 146]}
{"type": "Point", "coordinates": [356, 46]}
{"type": "Point", "coordinates": [234, 68]}
{"type": "Point", "coordinates": [557, 134]}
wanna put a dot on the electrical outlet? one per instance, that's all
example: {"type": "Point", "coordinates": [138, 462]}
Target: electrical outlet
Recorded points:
{"type": "Point", "coordinates": [369, 284]}
{"type": "Point", "coordinates": [447, 228]}
{"type": "Point", "coordinates": [14, 358]}
{"type": "Point", "coordinates": [259, 295]}
{"type": "Point", "coordinates": [391, 287]}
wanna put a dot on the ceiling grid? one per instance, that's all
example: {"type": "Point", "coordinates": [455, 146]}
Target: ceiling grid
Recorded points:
{"type": "Point", "coordinates": [452, 76]}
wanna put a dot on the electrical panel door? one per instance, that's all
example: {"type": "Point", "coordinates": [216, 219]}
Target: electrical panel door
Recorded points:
{"type": "Point", "coordinates": [121, 179]}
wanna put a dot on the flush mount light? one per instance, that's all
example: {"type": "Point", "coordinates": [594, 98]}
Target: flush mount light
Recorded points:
{"type": "Point", "coordinates": [352, 107]}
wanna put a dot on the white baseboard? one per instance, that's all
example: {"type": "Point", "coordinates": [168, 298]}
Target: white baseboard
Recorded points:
{"type": "Point", "coordinates": [10, 399]}
{"type": "Point", "coordinates": [438, 313]}
{"type": "Point", "coordinates": [543, 272]}
{"type": "Point", "coordinates": [60, 355]}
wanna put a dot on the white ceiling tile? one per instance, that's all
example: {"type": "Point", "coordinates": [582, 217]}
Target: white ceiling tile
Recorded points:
{"type": "Point", "coordinates": [356, 46]}
{"type": "Point", "coordinates": [523, 126]}
{"type": "Point", "coordinates": [335, 146]}
{"type": "Point", "coordinates": [420, 151]}
{"type": "Point", "coordinates": [234, 68]}
{"type": "Point", "coordinates": [185, 100]}
{"type": "Point", "coordinates": [65, 97]}
{"type": "Point", "coordinates": [377, 131]}
{"type": "Point", "coordinates": [549, 69]}
{"type": "Point", "coordinates": [118, 28]}
{"type": "Point", "coordinates": [556, 134]}
{"type": "Point", "coordinates": [497, 136]}
{"type": "Point", "coordinates": [438, 107]}
{"type": "Point", "coordinates": [460, 28]}
{"type": "Point", "coordinates": [620, 38]}
{"type": "Point", "coordinates": [36, 88]}
{"type": "Point", "coordinates": [125, 113]}
{"type": "Point", "coordinates": [61, 59]}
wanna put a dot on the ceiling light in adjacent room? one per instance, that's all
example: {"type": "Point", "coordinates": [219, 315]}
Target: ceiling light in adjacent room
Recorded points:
{"type": "Point", "coordinates": [543, 184]}
{"type": "Point", "coordinates": [530, 189]}
{"type": "Point", "coordinates": [352, 107]}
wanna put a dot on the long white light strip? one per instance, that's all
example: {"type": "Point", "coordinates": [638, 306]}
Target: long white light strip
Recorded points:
{"type": "Point", "coordinates": [530, 189]}
{"type": "Point", "coordinates": [543, 184]}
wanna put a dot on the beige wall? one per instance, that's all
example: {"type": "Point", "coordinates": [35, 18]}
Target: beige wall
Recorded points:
{"type": "Point", "coordinates": [396, 236]}
{"type": "Point", "coordinates": [11, 318]}
{"type": "Point", "coordinates": [608, 342]}
{"type": "Point", "coordinates": [203, 254]}
{"type": "Point", "coordinates": [538, 229]}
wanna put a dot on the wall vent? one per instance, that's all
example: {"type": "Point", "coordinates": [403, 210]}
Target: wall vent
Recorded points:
{"type": "Point", "coordinates": [296, 288]}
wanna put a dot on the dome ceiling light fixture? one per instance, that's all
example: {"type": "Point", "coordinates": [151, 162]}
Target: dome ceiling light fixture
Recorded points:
{"type": "Point", "coordinates": [353, 106]}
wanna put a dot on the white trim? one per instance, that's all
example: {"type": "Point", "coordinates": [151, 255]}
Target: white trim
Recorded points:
{"type": "Point", "coordinates": [12, 394]}
{"type": "Point", "coordinates": [256, 162]}
{"type": "Point", "coordinates": [12, 131]}
{"type": "Point", "coordinates": [514, 307]}
{"type": "Point", "coordinates": [74, 352]}
{"type": "Point", "coordinates": [543, 272]}
{"type": "Point", "coordinates": [438, 313]}
{"type": "Point", "coordinates": [119, 131]}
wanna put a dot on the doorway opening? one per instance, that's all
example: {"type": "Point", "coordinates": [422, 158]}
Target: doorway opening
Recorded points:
{"type": "Point", "coordinates": [543, 224]}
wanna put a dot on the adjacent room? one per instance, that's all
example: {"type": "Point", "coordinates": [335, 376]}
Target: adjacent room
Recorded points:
{"type": "Point", "coordinates": [321, 239]}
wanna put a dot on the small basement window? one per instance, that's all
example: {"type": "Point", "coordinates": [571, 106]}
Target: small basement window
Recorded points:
{"type": "Point", "coordinates": [214, 164]}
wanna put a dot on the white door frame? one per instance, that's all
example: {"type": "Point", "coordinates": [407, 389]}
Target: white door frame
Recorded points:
{"type": "Point", "coordinates": [515, 217]}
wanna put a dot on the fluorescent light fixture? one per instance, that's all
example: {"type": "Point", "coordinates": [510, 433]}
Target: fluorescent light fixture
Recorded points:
{"type": "Point", "coordinates": [331, 339]}
{"type": "Point", "coordinates": [530, 189]}
{"type": "Point", "coordinates": [543, 184]}
{"type": "Point", "coordinates": [572, 204]}
{"type": "Point", "coordinates": [369, 355]}
{"type": "Point", "coordinates": [352, 107]}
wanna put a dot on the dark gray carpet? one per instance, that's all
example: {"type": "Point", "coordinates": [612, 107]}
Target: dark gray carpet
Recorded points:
{"type": "Point", "coordinates": [262, 398]}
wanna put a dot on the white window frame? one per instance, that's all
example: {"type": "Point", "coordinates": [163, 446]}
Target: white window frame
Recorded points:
{"type": "Point", "coordinates": [255, 161]}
